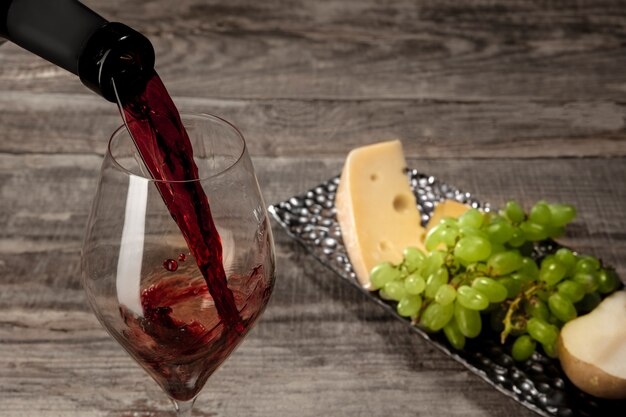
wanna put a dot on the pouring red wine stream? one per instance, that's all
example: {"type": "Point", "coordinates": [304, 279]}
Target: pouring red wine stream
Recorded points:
{"type": "Point", "coordinates": [162, 141]}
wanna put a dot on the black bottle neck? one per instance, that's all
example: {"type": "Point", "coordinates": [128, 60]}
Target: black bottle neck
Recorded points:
{"type": "Point", "coordinates": [70, 35]}
{"type": "Point", "coordinates": [4, 9]}
{"type": "Point", "coordinates": [116, 52]}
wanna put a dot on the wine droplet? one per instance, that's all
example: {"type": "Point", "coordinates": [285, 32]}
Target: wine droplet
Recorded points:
{"type": "Point", "coordinates": [182, 257]}
{"type": "Point", "coordinates": [170, 264]}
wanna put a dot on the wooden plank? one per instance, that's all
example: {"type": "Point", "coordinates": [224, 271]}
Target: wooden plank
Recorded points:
{"type": "Point", "coordinates": [440, 50]}
{"type": "Point", "coordinates": [62, 123]}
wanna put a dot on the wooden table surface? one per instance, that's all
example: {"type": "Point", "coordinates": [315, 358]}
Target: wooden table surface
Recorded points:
{"type": "Point", "coordinates": [505, 98]}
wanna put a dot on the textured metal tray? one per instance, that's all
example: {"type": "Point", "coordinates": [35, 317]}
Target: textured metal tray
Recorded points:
{"type": "Point", "coordinates": [539, 383]}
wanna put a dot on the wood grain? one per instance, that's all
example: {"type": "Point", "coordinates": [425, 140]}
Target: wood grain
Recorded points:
{"type": "Point", "coordinates": [481, 50]}
{"type": "Point", "coordinates": [504, 98]}
{"type": "Point", "coordinates": [63, 123]}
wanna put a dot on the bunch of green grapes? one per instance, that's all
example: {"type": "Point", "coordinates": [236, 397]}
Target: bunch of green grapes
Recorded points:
{"type": "Point", "coordinates": [478, 270]}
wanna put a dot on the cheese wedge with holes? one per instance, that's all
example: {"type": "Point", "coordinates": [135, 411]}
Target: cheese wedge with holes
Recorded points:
{"type": "Point", "coordinates": [376, 208]}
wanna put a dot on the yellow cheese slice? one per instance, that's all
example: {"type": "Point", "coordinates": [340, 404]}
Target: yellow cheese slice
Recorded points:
{"type": "Point", "coordinates": [447, 208]}
{"type": "Point", "coordinates": [376, 208]}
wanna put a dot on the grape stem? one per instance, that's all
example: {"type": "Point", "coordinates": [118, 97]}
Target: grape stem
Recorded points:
{"type": "Point", "coordinates": [513, 306]}
{"type": "Point", "coordinates": [467, 277]}
{"type": "Point", "coordinates": [415, 321]}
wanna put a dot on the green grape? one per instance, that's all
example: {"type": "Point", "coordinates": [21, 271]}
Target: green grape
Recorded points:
{"type": "Point", "coordinates": [506, 262]}
{"type": "Point", "coordinates": [529, 267]}
{"type": "Point", "coordinates": [382, 274]}
{"type": "Point", "coordinates": [542, 331]}
{"type": "Point", "coordinates": [567, 258]}
{"type": "Point", "coordinates": [588, 280]}
{"type": "Point", "coordinates": [562, 307]}
{"type": "Point", "coordinates": [522, 278]}
{"type": "Point", "coordinates": [473, 231]}
{"type": "Point", "coordinates": [445, 294]}
{"type": "Point", "coordinates": [449, 236]}
{"type": "Point", "coordinates": [491, 217]}
{"type": "Point", "coordinates": [414, 284]}
{"type": "Point", "coordinates": [586, 264]}
{"type": "Point", "coordinates": [384, 295]}
{"type": "Point", "coordinates": [441, 234]}
{"type": "Point", "coordinates": [472, 249]}
{"type": "Point", "coordinates": [491, 288]}
{"type": "Point", "coordinates": [540, 214]}
{"type": "Point", "coordinates": [413, 258]}
{"type": "Point", "coordinates": [409, 306]}
{"type": "Point", "coordinates": [538, 308]}
{"type": "Point", "coordinates": [572, 290]}
{"type": "Point", "coordinates": [471, 298]}
{"type": "Point", "coordinates": [404, 272]}
{"type": "Point", "coordinates": [497, 248]}
{"type": "Point", "coordinates": [468, 320]}
{"type": "Point", "coordinates": [434, 281]}
{"type": "Point", "coordinates": [513, 286]}
{"type": "Point", "coordinates": [523, 348]}
{"type": "Point", "coordinates": [533, 231]}
{"type": "Point", "coordinates": [595, 262]}
{"type": "Point", "coordinates": [562, 214]}
{"type": "Point", "coordinates": [552, 271]}
{"type": "Point", "coordinates": [450, 221]}
{"type": "Point", "coordinates": [589, 302]}
{"type": "Point", "coordinates": [518, 238]}
{"type": "Point", "coordinates": [454, 335]}
{"type": "Point", "coordinates": [471, 218]}
{"type": "Point", "coordinates": [436, 316]}
{"type": "Point", "coordinates": [395, 290]}
{"type": "Point", "coordinates": [500, 232]}
{"type": "Point", "coordinates": [550, 349]}
{"type": "Point", "coordinates": [432, 263]}
{"type": "Point", "coordinates": [607, 281]}
{"type": "Point", "coordinates": [433, 238]}
{"type": "Point", "coordinates": [514, 212]}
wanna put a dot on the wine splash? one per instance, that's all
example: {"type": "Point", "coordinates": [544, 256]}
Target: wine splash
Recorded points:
{"type": "Point", "coordinates": [170, 265]}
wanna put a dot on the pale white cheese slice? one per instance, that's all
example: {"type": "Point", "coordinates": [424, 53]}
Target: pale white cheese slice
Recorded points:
{"type": "Point", "coordinates": [376, 208]}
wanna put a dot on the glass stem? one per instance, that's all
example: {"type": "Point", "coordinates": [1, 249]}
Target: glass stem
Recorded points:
{"type": "Point", "coordinates": [183, 408]}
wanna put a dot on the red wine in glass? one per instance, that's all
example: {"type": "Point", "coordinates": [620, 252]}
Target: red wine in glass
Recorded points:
{"type": "Point", "coordinates": [179, 347]}
{"type": "Point", "coordinates": [188, 315]}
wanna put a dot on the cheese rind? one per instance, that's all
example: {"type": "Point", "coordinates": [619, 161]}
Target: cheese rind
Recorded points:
{"type": "Point", "coordinates": [376, 208]}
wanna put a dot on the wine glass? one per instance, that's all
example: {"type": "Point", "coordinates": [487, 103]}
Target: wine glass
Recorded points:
{"type": "Point", "coordinates": [141, 278]}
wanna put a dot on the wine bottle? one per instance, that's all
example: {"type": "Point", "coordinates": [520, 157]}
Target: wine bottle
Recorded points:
{"type": "Point", "coordinates": [73, 37]}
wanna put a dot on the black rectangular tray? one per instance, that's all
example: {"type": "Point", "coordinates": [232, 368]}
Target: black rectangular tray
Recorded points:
{"type": "Point", "coordinates": [538, 383]}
